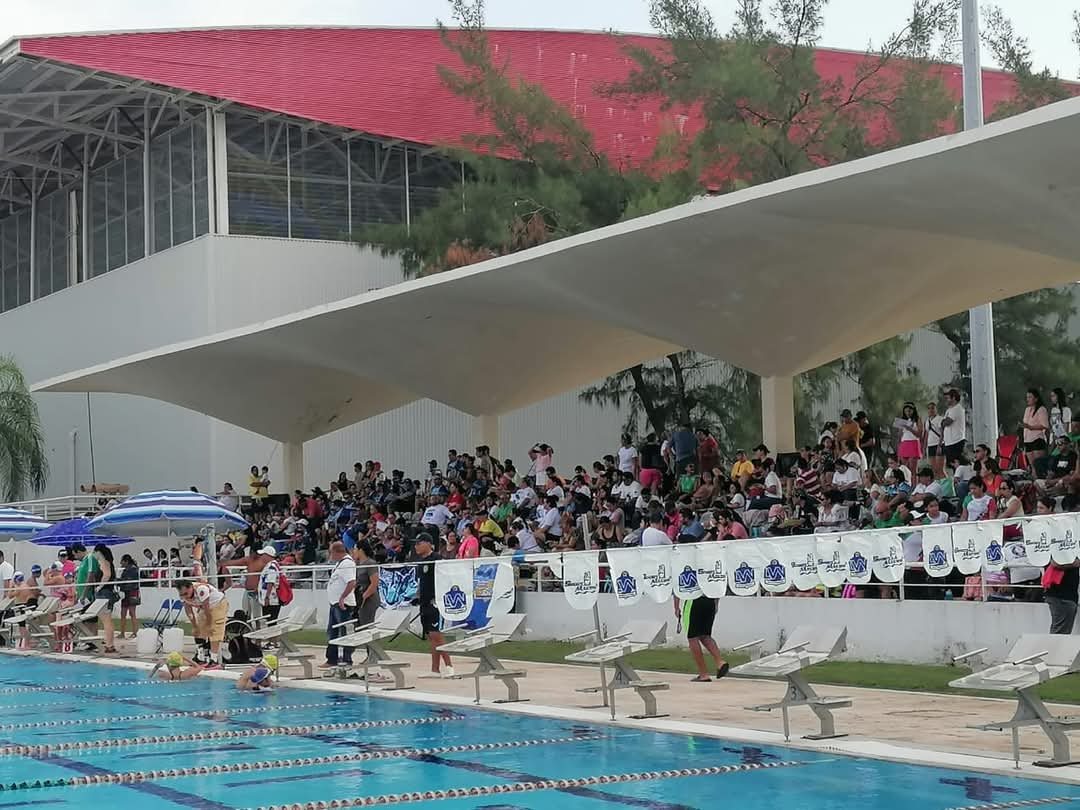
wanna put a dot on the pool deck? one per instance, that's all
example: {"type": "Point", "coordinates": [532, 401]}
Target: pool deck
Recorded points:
{"type": "Point", "coordinates": [920, 728]}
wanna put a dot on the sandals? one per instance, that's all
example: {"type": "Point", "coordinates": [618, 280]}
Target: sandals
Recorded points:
{"type": "Point", "coordinates": [109, 650]}
{"type": "Point", "coordinates": [701, 679]}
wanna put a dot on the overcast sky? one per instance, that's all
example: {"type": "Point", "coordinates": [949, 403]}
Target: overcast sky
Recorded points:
{"type": "Point", "coordinates": [849, 23]}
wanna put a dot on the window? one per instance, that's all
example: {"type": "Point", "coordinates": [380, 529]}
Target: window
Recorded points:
{"type": "Point", "coordinates": [116, 214]}
{"type": "Point", "coordinates": [51, 244]}
{"type": "Point", "coordinates": [15, 260]}
{"type": "Point", "coordinates": [179, 185]}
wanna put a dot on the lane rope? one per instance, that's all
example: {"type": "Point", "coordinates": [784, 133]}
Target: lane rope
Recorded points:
{"type": "Point", "coordinates": [91, 721]}
{"type": "Point", "coordinates": [52, 704]}
{"type": "Point", "coordinates": [526, 787]}
{"type": "Point", "coordinates": [77, 687]}
{"type": "Point", "coordinates": [1020, 803]}
{"type": "Point", "coordinates": [270, 731]}
{"type": "Point", "coordinates": [264, 765]}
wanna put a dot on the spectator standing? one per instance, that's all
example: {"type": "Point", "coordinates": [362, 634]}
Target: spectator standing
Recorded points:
{"type": "Point", "coordinates": [1035, 426]}
{"type": "Point", "coordinates": [909, 449]}
{"type": "Point", "coordinates": [934, 440]}
{"type": "Point", "coordinates": [684, 446]}
{"type": "Point", "coordinates": [1060, 413]}
{"type": "Point", "coordinates": [7, 571]}
{"type": "Point", "coordinates": [340, 592]}
{"type": "Point", "coordinates": [269, 579]}
{"type": "Point", "coordinates": [367, 583]}
{"type": "Point", "coordinates": [847, 431]}
{"type": "Point", "coordinates": [430, 622]}
{"type": "Point", "coordinates": [954, 426]}
{"type": "Point", "coordinates": [867, 437]}
{"type": "Point", "coordinates": [629, 459]}
{"type": "Point", "coordinates": [129, 592]}
{"type": "Point", "coordinates": [652, 464]}
{"type": "Point", "coordinates": [228, 498]}
{"type": "Point", "coordinates": [698, 617]}
{"type": "Point", "coordinates": [708, 451]}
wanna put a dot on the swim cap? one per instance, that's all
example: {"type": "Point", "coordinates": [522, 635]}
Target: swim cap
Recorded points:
{"type": "Point", "coordinates": [270, 661]}
{"type": "Point", "coordinates": [35, 569]}
{"type": "Point", "coordinates": [56, 567]}
{"type": "Point", "coordinates": [261, 674]}
{"type": "Point", "coordinates": [174, 660]}
{"type": "Point", "coordinates": [18, 576]}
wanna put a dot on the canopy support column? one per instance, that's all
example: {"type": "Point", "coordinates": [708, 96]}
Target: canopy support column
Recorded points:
{"type": "Point", "coordinates": [778, 413]}
{"type": "Point", "coordinates": [485, 431]}
{"type": "Point", "coordinates": [293, 461]}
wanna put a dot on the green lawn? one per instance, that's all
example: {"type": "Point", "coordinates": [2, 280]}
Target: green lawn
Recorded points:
{"type": "Point", "coordinates": [906, 677]}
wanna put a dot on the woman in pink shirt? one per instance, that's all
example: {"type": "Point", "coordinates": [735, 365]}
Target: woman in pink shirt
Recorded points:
{"type": "Point", "coordinates": [469, 547]}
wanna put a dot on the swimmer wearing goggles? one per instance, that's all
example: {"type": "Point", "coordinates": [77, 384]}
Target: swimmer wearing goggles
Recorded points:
{"type": "Point", "coordinates": [259, 678]}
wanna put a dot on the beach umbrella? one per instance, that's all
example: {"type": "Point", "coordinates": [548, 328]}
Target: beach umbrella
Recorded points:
{"type": "Point", "coordinates": [69, 532]}
{"type": "Point", "coordinates": [19, 523]}
{"type": "Point", "coordinates": [164, 514]}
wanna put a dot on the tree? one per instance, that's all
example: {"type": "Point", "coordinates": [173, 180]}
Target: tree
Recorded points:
{"type": "Point", "coordinates": [23, 465]}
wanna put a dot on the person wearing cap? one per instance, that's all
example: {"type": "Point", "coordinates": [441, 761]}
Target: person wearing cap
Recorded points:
{"type": "Point", "coordinates": [175, 667]}
{"type": "Point", "coordinates": [25, 593]}
{"type": "Point", "coordinates": [430, 621]}
{"type": "Point", "coordinates": [269, 578]}
{"type": "Point", "coordinates": [260, 677]}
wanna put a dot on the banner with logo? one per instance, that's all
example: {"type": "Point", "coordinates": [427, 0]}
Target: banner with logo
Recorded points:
{"type": "Point", "coordinates": [454, 589]}
{"type": "Point", "coordinates": [993, 551]}
{"type": "Point", "coordinates": [397, 585]}
{"type": "Point", "coordinates": [888, 560]}
{"type": "Point", "coordinates": [684, 566]}
{"type": "Point", "coordinates": [969, 546]}
{"type": "Point", "coordinates": [937, 550]}
{"type": "Point", "coordinates": [744, 566]}
{"type": "Point", "coordinates": [1037, 542]}
{"type": "Point", "coordinates": [831, 564]}
{"type": "Point", "coordinates": [1063, 544]}
{"type": "Point", "coordinates": [656, 572]}
{"type": "Point", "coordinates": [626, 569]}
{"type": "Point", "coordinates": [493, 593]}
{"type": "Point", "coordinates": [857, 551]}
{"type": "Point", "coordinates": [800, 557]}
{"type": "Point", "coordinates": [773, 564]}
{"type": "Point", "coordinates": [712, 569]}
{"type": "Point", "coordinates": [581, 579]}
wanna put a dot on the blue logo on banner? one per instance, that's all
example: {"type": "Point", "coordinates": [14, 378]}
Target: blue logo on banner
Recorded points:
{"type": "Point", "coordinates": [744, 575]}
{"type": "Point", "coordinates": [993, 553]}
{"type": "Point", "coordinates": [397, 585]}
{"type": "Point", "coordinates": [454, 600]}
{"type": "Point", "coordinates": [688, 579]}
{"type": "Point", "coordinates": [775, 573]}
{"type": "Point", "coordinates": [857, 564]}
{"type": "Point", "coordinates": [937, 558]}
{"type": "Point", "coordinates": [626, 585]}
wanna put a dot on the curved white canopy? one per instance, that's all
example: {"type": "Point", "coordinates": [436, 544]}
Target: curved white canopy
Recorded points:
{"type": "Point", "coordinates": [777, 279]}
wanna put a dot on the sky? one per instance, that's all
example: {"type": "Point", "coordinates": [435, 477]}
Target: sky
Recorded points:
{"type": "Point", "coordinates": [850, 24]}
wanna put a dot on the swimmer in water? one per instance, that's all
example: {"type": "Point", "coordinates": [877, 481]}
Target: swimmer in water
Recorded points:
{"type": "Point", "coordinates": [175, 667]}
{"type": "Point", "coordinates": [259, 678]}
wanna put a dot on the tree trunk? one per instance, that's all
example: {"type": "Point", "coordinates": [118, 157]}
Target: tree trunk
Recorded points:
{"type": "Point", "coordinates": [680, 389]}
{"type": "Point", "coordinates": [641, 388]}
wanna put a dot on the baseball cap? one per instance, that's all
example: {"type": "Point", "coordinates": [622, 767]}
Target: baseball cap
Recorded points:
{"type": "Point", "coordinates": [269, 551]}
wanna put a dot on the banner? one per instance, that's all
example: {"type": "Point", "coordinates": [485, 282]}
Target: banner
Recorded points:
{"type": "Point", "coordinates": [937, 550]}
{"type": "Point", "coordinates": [712, 569]}
{"type": "Point", "coordinates": [888, 559]}
{"type": "Point", "coordinates": [656, 572]}
{"type": "Point", "coordinates": [684, 565]}
{"type": "Point", "coordinates": [857, 551]}
{"type": "Point", "coordinates": [625, 575]}
{"type": "Point", "coordinates": [993, 552]}
{"type": "Point", "coordinates": [454, 589]}
{"type": "Point", "coordinates": [831, 565]}
{"type": "Point", "coordinates": [969, 546]}
{"type": "Point", "coordinates": [774, 568]}
{"type": "Point", "coordinates": [493, 593]}
{"type": "Point", "coordinates": [744, 567]}
{"type": "Point", "coordinates": [581, 579]}
{"type": "Point", "coordinates": [1064, 548]}
{"type": "Point", "coordinates": [397, 585]}
{"type": "Point", "coordinates": [1037, 534]}
{"type": "Point", "coordinates": [800, 556]}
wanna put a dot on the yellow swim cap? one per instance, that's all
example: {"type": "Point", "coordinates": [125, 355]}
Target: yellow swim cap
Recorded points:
{"type": "Point", "coordinates": [271, 661]}
{"type": "Point", "coordinates": [174, 660]}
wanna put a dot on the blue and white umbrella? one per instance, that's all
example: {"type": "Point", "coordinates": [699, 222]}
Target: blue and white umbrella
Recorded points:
{"type": "Point", "coordinates": [19, 523]}
{"type": "Point", "coordinates": [163, 514]}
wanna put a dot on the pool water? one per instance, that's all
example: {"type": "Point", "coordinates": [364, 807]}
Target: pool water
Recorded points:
{"type": "Point", "coordinates": [84, 722]}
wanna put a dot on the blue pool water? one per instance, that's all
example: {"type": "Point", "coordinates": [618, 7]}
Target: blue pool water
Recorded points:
{"type": "Point", "coordinates": [413, 739]}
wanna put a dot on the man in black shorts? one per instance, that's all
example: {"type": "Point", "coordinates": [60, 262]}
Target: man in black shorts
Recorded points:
{"type": "Point", "coordinates": [430, 622]}
{"type": "Point", "coordinates": [698, 620]}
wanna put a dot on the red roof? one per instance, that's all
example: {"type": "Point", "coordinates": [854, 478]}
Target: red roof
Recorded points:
{"type": "Point", "coordinates": [384, 81]}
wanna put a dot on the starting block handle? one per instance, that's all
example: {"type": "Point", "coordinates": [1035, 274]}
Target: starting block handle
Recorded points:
{"type": "Point", "coordinates": [1027, 659]}
{"type": "Point", "coordinates": [964, 656]}
{"type": "Point", "coordinates": [754, 643]}
{"type": "Point", "coordinates": [579, 636]}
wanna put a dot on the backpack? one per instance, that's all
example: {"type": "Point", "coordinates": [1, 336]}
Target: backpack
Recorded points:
{"type": "Point", "coordinates": [284, 589]}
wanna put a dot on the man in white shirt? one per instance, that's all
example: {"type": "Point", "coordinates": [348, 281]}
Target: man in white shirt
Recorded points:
{"type": "Point", "coordinates": [269, 578]}
{"type": "Point", "coordinates": [524, 496]}
{"type": "Point", "coordinates": [228, 498]}
{"type": "Point", "coordinates": [628, 456]}
{"type": "Point", "coordinates": [954, 426]}
{"type": "Point", "coordinates": [846, 479]}
{"type": "Point", "coordinates": [926, 488]}
{"type": "Point", "coordinates": [436, 515]}
{"type": "Point", "coordinates": [7, 571]}
{"type": "Point", "coordinates": [627, 490]}
{"type": "Point", "coordinates": [654, 534]}
{"type": "Point", "coordinates": [341, 593]}
{"type": "Point", "coordinates": [549, 529]}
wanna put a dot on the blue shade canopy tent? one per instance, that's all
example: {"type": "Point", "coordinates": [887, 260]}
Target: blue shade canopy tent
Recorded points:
{"type": "Point", "coordinates": [68, 532]}
{"type": "Point", "coordinates": [19, 523]}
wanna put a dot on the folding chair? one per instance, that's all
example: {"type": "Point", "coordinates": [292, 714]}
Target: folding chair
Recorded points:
{"type": "Point", "coordinates": [480, 643]}
{"type": "Point", "coordinates": [808, 645]}
{"type": "Point", "coordinates": [278, 631]}
{"type": "Point", "coordinates": [371, 637]}
{"type": "Point", "coordinates": [635, 636]}
{"type": "Point", "coordinates": [29, 618]}
{"type": "Point", "coordinates": [79, 621]}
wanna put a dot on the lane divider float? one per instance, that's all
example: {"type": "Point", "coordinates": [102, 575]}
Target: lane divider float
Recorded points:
{"type": "Point", "coordinates": [53, 705]}
{"type": "Point", "coordinates": [526, 787]}
{"type": "Point", "coordinates": [264, 765]}
{"type": "Point", "coordinates": [78, 687]}
{"type": "Point", "coordinates": [1020, 803]}
{"type": "Point", "coordinates": [91, 721]}
{"type": "Point", "coordinates": [270, 731]}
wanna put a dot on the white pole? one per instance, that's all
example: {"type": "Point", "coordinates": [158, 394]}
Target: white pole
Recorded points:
{"type": "Point", "coordinates": [980, 319]}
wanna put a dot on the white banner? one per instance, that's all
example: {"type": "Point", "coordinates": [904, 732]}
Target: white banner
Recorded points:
{"type": "Point", "coordinates": [712, 568]}
{"type": "Point", "coordinates": [1037, 542]}
{"type": "Point", "coordinates": [656, 573]}
{"type": "Point", "coordinates": [774, 568]}
{"type": "Point", "coordinates": [503, 590]}
{"type": "Point", "coordinates": [800, 555]}
{"type": "Point", "coordinates": [888, 562]}
{"type": "Point", "coordinates": [969, 546]}
{"type": "Point", "coordinates": [684, 566]}
{"type": "Point", "coordinates": [744, 567]}
{"type": "Point", "coordinates": [581, 579]}
{"type": "Point", "coordinates": [1064, 548]}
{"type": "Point", "coordinates": [937, 550]}
{"type": "Point", "coordinates": [831, 565]}
{"type": "Point", "coordinates": [625, 574]}
{"type": "Point", "coordinates": [858, 551]}
{"type": "Point", "coordinates": [454, 589]}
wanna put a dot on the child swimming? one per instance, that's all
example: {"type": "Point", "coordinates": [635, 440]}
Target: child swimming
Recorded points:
{"type": "Point", "coordinates": [176, 668]}
{"type": "Point", "coordinates": [259, 678]}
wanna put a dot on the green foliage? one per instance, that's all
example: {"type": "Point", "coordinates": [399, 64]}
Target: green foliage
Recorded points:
{"type": "Point", "coordinates": [885, 380]}
{"type": "Point", "coordinates": [23, 465]}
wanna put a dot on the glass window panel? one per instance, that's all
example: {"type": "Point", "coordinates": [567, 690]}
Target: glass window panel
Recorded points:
{"type": "Point", "coordinates": [258, 188]}
{"type": "Point", "coordinates": [320, 189]}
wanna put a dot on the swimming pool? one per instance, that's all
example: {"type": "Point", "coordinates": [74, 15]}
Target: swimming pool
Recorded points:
{"type": "Point", "coordinates": [76, 734]}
